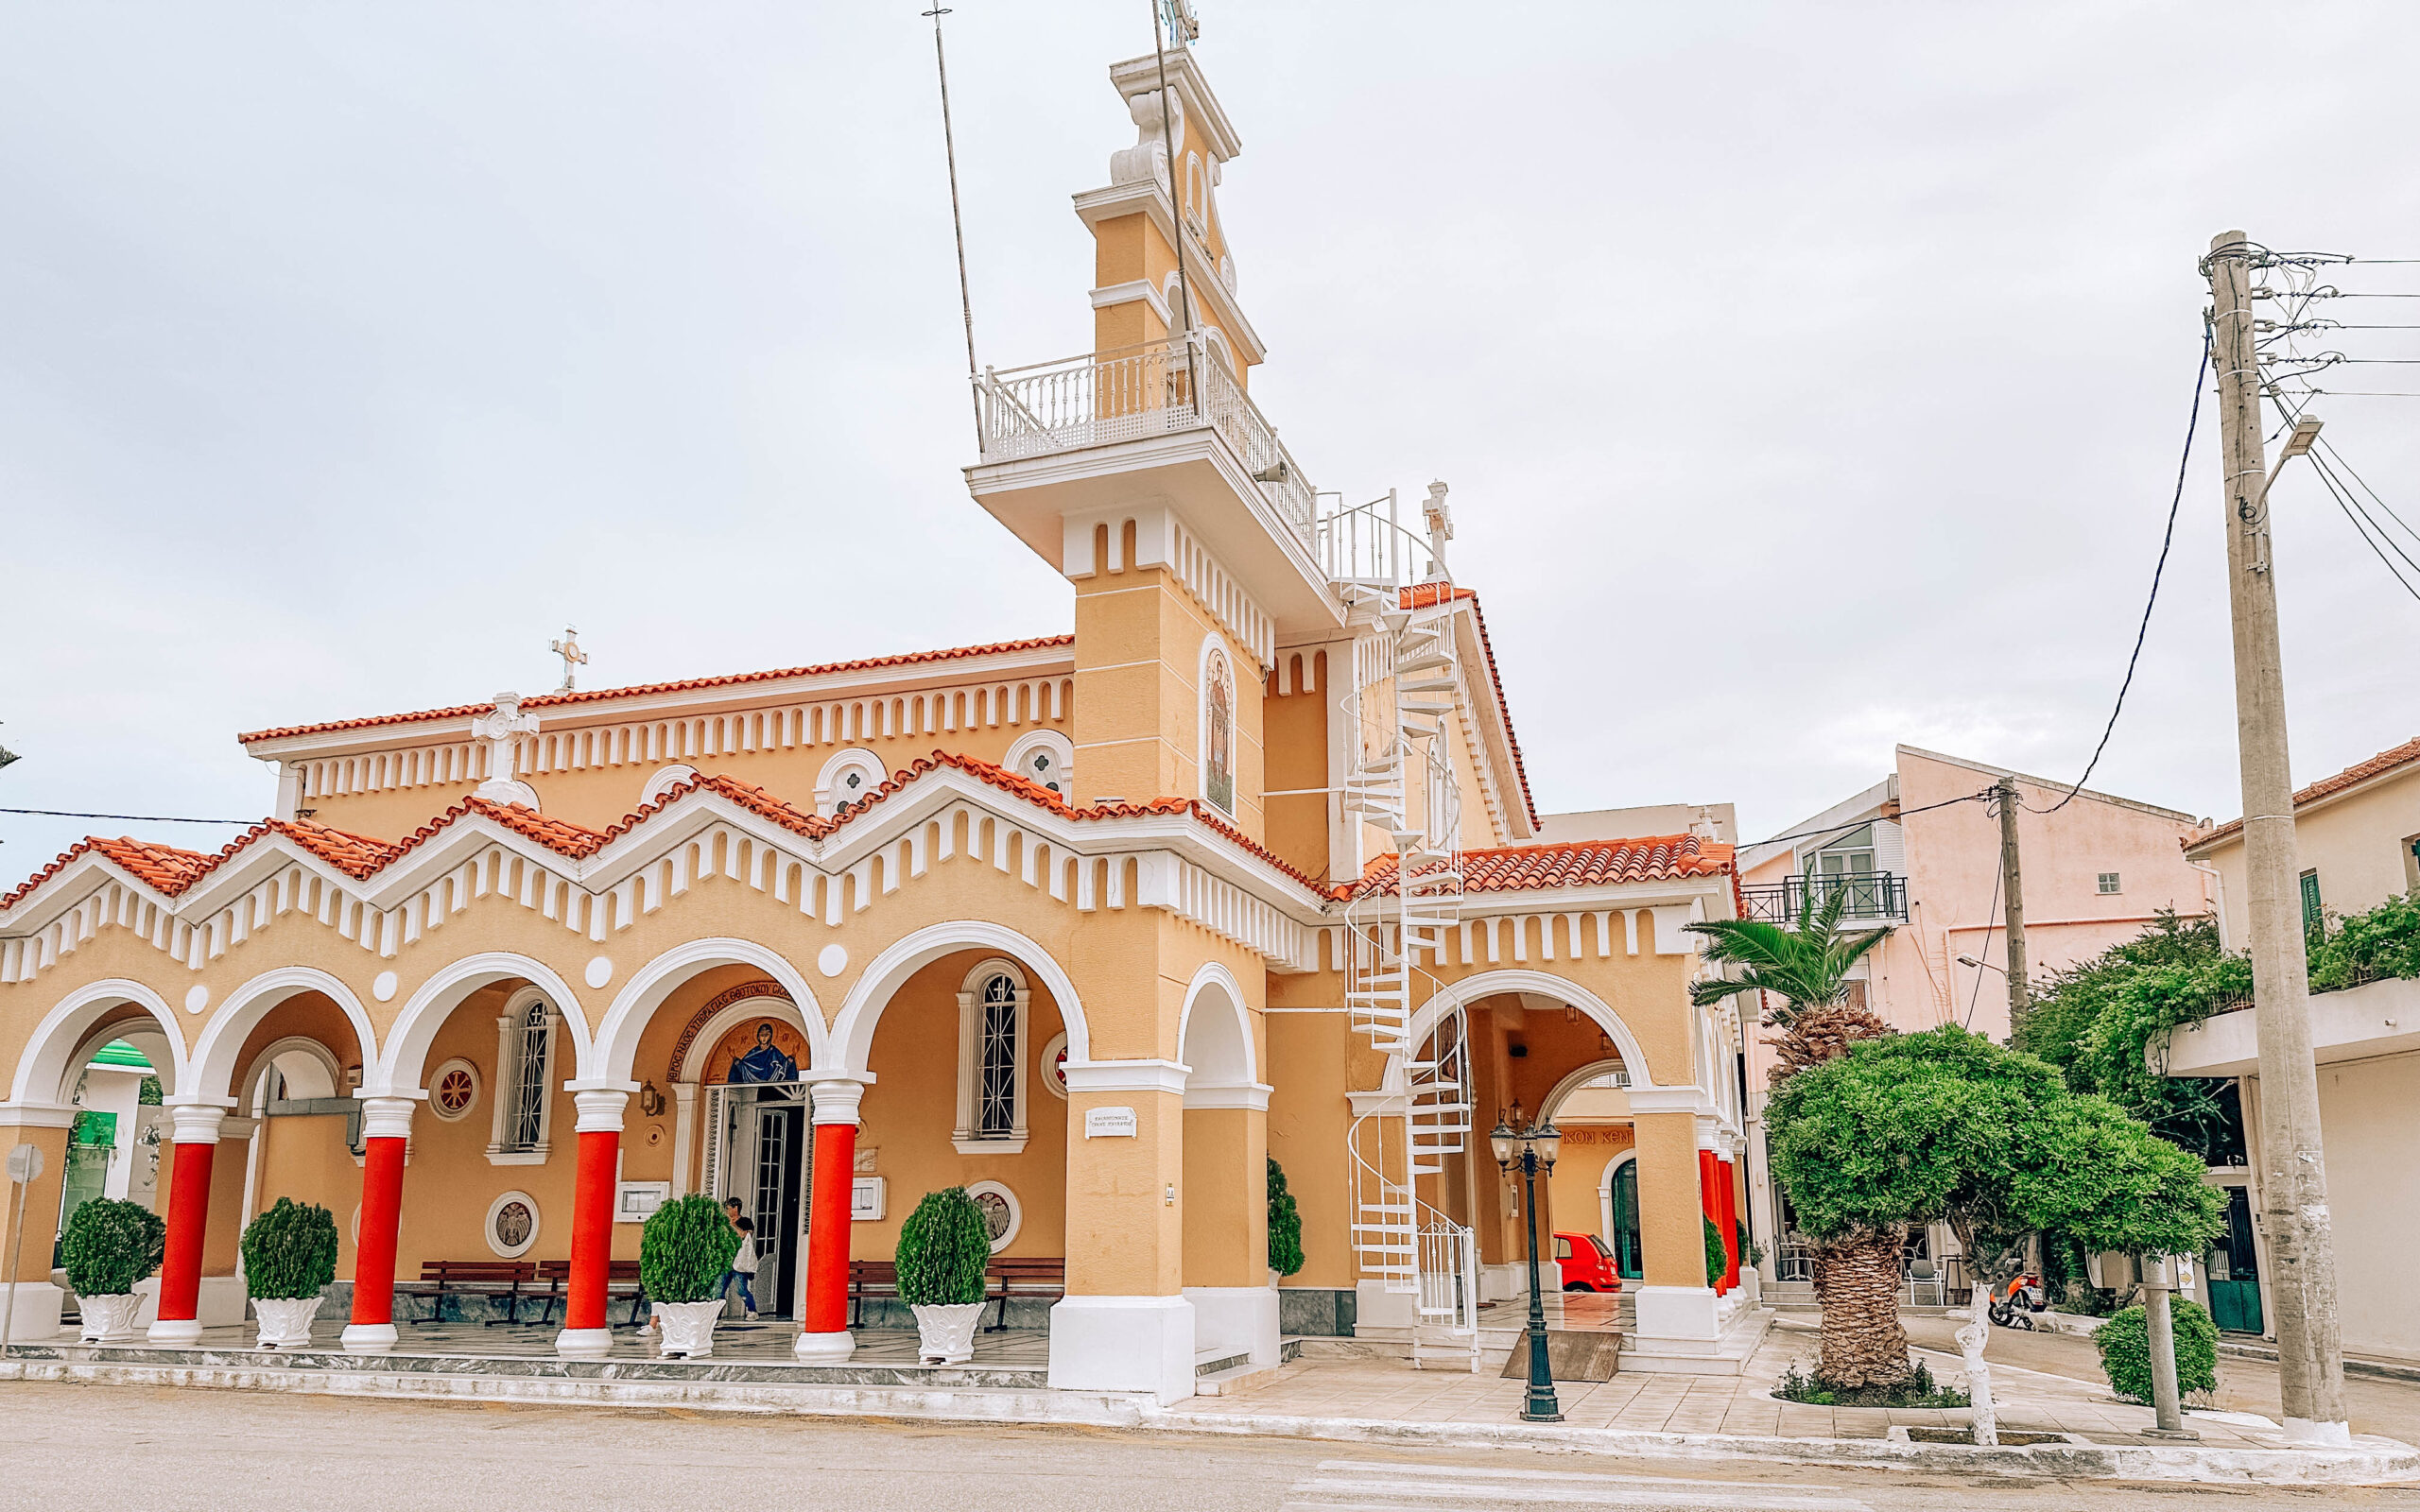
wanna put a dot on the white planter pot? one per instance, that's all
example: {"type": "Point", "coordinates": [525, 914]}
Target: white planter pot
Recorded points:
{"type": "Point", "coordinates": [688, 1327]}
{"type": "Point", "coordinates": [109, 1318]}
{"type": "Point", "coordinates": [946, 1335]}
{"type": "Point", "coordinates": [286, 1322]}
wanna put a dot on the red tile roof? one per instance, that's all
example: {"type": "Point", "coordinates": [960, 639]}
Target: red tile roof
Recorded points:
{"type": "Point", "coordinates": [163, 868]}
{"type": "Point", "coordinates": [558, 700]}
{"type": "Point", "coordinates": [2378, 766]}
{"type": "Point", "coordinates": [1427, 596]}
{"type": "Point", "coordinates": [1579, 864]}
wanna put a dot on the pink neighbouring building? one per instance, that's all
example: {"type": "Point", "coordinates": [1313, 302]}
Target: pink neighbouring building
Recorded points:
{"type": "Point", "coordinates": [2095, 872]}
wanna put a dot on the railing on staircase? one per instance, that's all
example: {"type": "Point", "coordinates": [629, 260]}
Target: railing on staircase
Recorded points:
{"type": "Point", "coordinates": [1401, 696]}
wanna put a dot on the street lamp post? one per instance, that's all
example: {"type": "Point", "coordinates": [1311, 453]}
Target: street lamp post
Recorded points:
{"type": "Point", "coordinates": [1532, 1148]}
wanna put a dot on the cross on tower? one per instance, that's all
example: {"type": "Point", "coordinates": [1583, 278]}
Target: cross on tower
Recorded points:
{"type": "Point", "coordinates": [568, 648]}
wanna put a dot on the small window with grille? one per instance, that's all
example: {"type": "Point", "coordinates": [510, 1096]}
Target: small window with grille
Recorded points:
{"type": "Point", "coordinates": [2108, 882]}
{"type": "Point", "coordinates": [526, 1124]}
{"type": "Point", "coordinates": [998, 1111]}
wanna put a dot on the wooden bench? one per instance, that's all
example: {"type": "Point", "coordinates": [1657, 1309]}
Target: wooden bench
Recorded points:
{"type": "Point", "coordinates": [621, 1279]}
{"type": "Point", "coordinates": [1031, 1276]}
{"type": "Point", "coordinates": [476, 1278]}
{"type": "Point", "coordinates": [870, 1277]}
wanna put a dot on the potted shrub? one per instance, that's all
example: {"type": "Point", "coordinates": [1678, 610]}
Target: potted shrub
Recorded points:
{"type": "Point", "coordinates": [944, 1247]}
{"type": "Point", "coordinates": [684, 1253]}
{"type": "Point", "coordinates": [289, 1258]}
{"type": "Point", "coordinates": [1285, 1228]}
{"type": "Point", "coordinates": [110, 1245]}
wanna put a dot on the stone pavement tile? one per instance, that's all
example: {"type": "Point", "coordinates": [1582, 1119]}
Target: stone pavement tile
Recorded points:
{"type": "Point", "coordinates": [1917, 1417]}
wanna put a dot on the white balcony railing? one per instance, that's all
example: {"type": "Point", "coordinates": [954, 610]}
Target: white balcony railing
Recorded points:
{"type": "Point", "coordinates": [1156, 390]}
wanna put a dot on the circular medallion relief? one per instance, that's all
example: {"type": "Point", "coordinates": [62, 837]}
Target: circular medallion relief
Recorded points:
{"type": "Point", "coordinates": [383, 987]}
{"type": "Point", "coordinates": [1054, 1066]}
{"type": "Point", "coordinates": [512, 1223]}
{"type": "Point", "coordinates": [1002, 1216]}
{"type": "Point", "coordinates": [197, 999]}
{"type": "Point", "coordinates": [832, 960]}
{"type": "Point", "coordinates": [454, 1090]}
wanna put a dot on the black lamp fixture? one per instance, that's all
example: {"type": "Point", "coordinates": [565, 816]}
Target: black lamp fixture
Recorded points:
{"type": "Point", "coordinates": [1532, 1148]}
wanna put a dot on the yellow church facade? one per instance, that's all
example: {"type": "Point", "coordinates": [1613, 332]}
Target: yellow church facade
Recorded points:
{"type": "Point", "coordinates": [1096, 925]}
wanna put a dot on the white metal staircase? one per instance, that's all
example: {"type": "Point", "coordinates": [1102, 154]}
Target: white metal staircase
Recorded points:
{"type": "Point", "coordinates": [1402, 693]}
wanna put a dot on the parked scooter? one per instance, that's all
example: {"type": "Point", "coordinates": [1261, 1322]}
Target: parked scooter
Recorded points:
{"type": "Point", "coordinates": [2015, 1308]}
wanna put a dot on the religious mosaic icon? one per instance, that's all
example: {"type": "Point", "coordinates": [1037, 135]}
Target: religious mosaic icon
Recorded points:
{"type": "Point", "coordinates": [995, 1213]}
{"type": "Point", "coordinates": [759, 1054]}
{"type": "Point", "coordinates": [513, 1223]}
{"type": "Point", "coordinates": [1218, 731]}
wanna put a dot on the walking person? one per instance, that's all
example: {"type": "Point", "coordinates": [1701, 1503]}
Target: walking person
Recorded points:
{"type": "Point", "coordinates": [743, 1268]}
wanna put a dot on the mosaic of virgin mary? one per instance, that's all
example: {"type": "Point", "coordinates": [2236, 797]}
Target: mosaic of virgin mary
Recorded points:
{"type": "Point", "coordinates": [765, 1062]}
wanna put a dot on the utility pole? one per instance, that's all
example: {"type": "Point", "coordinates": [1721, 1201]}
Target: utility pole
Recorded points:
{"type": "Point", "coordinates": [2294, 1175]}
{"type": "Point", "coordinates": [2011, 886]}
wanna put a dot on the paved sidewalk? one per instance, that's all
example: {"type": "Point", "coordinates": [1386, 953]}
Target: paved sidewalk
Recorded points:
{"type": "Point", "coordinates": [1390, 1388]}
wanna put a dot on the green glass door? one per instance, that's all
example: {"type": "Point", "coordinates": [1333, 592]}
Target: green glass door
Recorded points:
{"type": "Point", "coordinates": [2233, 1271]}
{"type": "Point", "coordinates": [1626, 1221]}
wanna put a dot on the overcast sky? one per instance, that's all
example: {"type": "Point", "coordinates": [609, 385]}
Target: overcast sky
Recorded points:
{"type": "Point", "coordinates": [1809, 377]}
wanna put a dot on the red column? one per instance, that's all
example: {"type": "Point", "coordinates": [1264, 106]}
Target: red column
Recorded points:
{"type": "Point", "coordinates": [195, 1136]}
{"type": "Point", "coordinates": [823, 1332]}
{"type": "Point", "coordinates": [1730, 1221]}
{"type": "Point", "coordinates": [386, 1125]}
{"type": "Point", "coordinates": [584, 1330]}
{"type": "Point", "coordinates": [1709, 1189]}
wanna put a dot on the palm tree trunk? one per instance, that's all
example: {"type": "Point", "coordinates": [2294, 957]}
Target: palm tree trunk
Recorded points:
{"type": "Point", "coordinates": [1857, 1281]}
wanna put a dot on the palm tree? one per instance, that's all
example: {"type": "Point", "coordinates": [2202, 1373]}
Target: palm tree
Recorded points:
{"type": "Point", "coordinates": [1801, 977]}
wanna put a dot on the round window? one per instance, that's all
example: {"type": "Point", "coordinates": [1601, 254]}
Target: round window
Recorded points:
{"type": "Point", "coordinates": [454, 1090]}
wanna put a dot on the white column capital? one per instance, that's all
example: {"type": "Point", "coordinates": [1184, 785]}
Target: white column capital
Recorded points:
{"type": "Point", "coordinates": [600, 1109]}
{"type": "Point", "coordinates": [837, 1100]}
{"type": "Point", "coordinates": [194, 1123]}
{"type": "Point", "coordinates": [387, 1118]}
{"type": "Point", "coordinates": [37, 1115]}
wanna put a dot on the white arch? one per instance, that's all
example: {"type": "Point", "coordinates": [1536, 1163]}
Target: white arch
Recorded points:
{"type": "Point", "coordinates": [665, 781]}
{"type": "Point", "coordinates": [322, 1060]}
{"type": "Point", "coordinates": [1061, 779]}
{"type": "Point", "coordinates": [1487, 983]}
{"type": "Point", "coordinates": [617, 1048]}
{"type": "Point", "coordinates": [852, 1039]}
{"type": "Point", "coordinates": [735, 1014]}
{"type": "Point", "coordinates": [1222, 1055]}
{"type": "Point", "coordinates": [48, 1056]}
{"type": "Point", "coordinates": [407, 1055]}
{"type": "Point", "coordinates": [222, 1040]}
{"type": "Point", "coordinates": [1574, 1082]}
{"type": "Point", "coordinates": [842, 762]}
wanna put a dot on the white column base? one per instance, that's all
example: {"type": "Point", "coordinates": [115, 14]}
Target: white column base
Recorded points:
{"type": "Point", "coordinates": [369, 1338]}
{"type": "Point", "coordinates": [1676, 1320]}
{"type": "Point", "coordinates": [2304, 1433]}
{"type": "Point", "coordinates": [584, 1341]}
{"type": "Point", "coordinates": [36, 1309]}
{"type": "Point", "coordinates": [824, 1348]}
{"type": "Point", "coordinates": [1236, 1321]}
{"type": "Point", "coordinates": [1375, 1307]}
{"type": "Point", "coordinates": [223, 1301]}
{"type": "Point", "coordinates": [1123, 1343]}
{"type": "Point", "coordinates": [1504, 1283]}
{"type": "Point", "coordinates": [181, 1331]}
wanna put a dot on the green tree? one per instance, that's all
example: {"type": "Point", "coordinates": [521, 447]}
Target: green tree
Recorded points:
{"type": "Point", "coordinates": [1948, 1127]}
{"type": "Point", "coordinates": [1800, 978]}
{"type": "Point", "coordinates": [1285, 1225]}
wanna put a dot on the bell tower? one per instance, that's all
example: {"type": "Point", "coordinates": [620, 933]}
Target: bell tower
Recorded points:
{"type": "Point", "coordinates": [1142, 471]}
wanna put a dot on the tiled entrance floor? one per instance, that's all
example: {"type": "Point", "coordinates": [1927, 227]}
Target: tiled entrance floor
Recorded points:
{"type": "Point", "coordinates": [765, 1343]}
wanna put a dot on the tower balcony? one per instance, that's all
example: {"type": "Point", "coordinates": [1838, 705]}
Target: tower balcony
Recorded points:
{"type": "Point", "coordinates": [1070, 446]}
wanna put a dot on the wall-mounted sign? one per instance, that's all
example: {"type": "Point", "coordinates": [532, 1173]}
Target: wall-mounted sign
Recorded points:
{"type": "Point", "coordinates": [636, 1202]}
{"type": "Point", "coordinates": [869, 1198]}
{"type": "Point", "coordinates": [1108, 1123]}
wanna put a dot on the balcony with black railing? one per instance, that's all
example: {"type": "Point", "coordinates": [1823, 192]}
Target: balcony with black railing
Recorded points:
{"type": "Point", "coordinates": [1872, 898]}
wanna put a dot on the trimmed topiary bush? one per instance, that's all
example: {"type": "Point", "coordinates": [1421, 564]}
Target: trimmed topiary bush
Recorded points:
{"type": "Point", "coordinates": [943, 1249]}
{"type": "Point", "coordinates": [289, 1252]}
{"type": "Point", "coordinates": [1285, 1225]}
{"type": "Point", "coordinates": [1717, 1259]}
{"type": "Point", "coordinates": [2125, 1346]}
{"type": "Point", "coordinates": [110, 1245]}
{"type": "Point", "coordinates": [684, 1250]}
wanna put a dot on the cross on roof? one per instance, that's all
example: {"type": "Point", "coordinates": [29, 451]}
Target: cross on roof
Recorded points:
{"type": "Point", "coordinates": [568, 648]}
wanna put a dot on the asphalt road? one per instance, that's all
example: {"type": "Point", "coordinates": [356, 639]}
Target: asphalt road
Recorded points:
{"type": "Point", "coordinates": [2378, 1406]}
{"type": "Point", "coordinates": [68, 1448]}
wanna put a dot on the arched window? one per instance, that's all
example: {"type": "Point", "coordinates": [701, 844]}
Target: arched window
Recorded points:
{"type": "Point", "coordinates": [993, 1008]}
{"type": "Point", "coordinates": [1217, 726]}
{"type": "Point", "coordinates": [1047, 759]}
{"type": "Point", "coordinates": [526, 1035]}
{"type": "Point", "coordinates": [848, 779]}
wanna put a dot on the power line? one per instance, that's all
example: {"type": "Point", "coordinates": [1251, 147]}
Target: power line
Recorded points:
{"type": "Point", "coordinates": [136, 818]}
{"type": "Point", "coordinates": [1843, 829]}
{"type": "Point", "coordinates": [2166, 539]}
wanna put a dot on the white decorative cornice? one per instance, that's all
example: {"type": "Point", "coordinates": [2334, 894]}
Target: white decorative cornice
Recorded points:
{"type": "Point", "coordinates": [1126, 1075]}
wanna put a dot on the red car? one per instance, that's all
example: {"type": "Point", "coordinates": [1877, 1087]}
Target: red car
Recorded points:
{"type": "Point", "coordinates": [1587, 1265]}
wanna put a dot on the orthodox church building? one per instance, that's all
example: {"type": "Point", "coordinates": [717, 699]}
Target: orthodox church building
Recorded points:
{"type": "Point", "coordinates": [1094, 924]}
